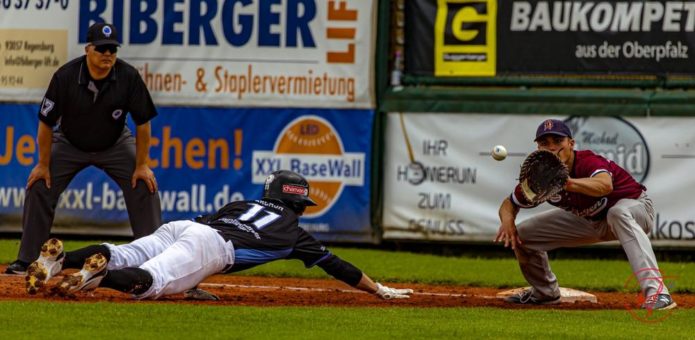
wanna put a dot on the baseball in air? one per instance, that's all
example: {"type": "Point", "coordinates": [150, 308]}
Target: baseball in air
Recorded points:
{"type": "Point", "coordinates": [499, 152]}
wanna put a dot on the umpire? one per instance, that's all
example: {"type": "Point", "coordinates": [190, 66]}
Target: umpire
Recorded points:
{"type": "Point", "coordinates": [82, 122]}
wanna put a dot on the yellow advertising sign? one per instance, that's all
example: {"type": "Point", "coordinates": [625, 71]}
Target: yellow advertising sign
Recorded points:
{"type": "Point", "coordinates": [465, 38]}
{"type": "Point", "coordinates": [30, 56]}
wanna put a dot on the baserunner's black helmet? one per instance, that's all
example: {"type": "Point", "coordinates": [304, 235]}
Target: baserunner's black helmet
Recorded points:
{"type": "Point", "coordinates": [290, 188]}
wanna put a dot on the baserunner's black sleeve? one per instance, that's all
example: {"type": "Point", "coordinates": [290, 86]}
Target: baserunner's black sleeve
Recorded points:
{"type": "Point", "coordinates": [313, 253]}
{"type": "Point", "coordinates": [341, 270]}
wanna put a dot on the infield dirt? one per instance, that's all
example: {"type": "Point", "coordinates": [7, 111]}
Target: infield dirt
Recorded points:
{"type": "Point", "coordinates": [265, 291]}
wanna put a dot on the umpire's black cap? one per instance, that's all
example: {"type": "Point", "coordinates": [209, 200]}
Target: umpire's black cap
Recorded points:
{"type": "Point", "coordinates": [553, 127]}
{"type": "Point", "coordinates": [102, 34]}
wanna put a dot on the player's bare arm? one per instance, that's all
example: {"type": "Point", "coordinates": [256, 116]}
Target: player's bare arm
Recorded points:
{"type": "Point", "coordinates": [142, 152]}
{"type": "Point", "coordinates": [598, 186]}
{"type": "Point", "coordinates": [507, 231]}
{"type": "Point", "coordinates": [368, 285]}
{"type": "Point", "coordinates": [41, 170]}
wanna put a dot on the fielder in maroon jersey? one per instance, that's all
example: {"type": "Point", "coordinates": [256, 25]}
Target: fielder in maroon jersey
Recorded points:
{"type": "Point", "coordinates": [600, 202]}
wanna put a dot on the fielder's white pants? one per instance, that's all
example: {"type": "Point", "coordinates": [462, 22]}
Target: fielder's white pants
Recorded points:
{"type": "Point", "coordinates": [179, 255]}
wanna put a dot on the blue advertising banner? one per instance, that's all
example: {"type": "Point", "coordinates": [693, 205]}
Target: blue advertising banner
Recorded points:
{"type": "Point", "coordinates": [206, 157]}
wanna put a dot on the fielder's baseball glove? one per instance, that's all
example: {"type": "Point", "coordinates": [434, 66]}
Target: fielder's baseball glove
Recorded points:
{"type": "Point", "coordinates": [542, 175]}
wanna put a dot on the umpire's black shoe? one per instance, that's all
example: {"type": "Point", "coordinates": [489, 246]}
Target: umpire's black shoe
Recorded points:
{"type": "Point", "coordinates": [526, 297]}
{"type": "Point", "coordinates": [17, 268]}
{"type": "Point", "coordinates": [659, 302]}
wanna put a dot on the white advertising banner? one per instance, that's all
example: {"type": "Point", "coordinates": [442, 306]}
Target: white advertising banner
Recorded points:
{"type": "Point", "coordinates": [241, 53]}
{"type": "Point", "coordinates": [441, 183]}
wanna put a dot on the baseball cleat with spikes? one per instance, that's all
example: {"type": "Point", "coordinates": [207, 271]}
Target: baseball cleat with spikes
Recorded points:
{"type": "Point", "coordinates": [659, 302]}
{"type": "Point", "coordinates": [49, 263]}
{"type": "Point", "coordinates": [526, 297]}
{"type": "Point", "coordinates": [93, 271]}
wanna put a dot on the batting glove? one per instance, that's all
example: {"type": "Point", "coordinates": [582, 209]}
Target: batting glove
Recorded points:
{"type": "Point", "coordinates": [388, 293]}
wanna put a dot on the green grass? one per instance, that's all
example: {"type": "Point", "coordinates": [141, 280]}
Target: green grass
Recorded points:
{"type": "Point", "coordinates": [165, 321]}
{"type": "Point", "coordinates": [162, 320]}
{"type": "Point", "coordinates": [418, 268]}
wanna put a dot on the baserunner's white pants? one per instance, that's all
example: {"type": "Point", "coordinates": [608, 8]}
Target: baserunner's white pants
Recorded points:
{"type": "Point", "coordinates": [179, 255]}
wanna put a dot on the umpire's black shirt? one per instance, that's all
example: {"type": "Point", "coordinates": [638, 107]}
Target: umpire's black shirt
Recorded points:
{"type": "Point", "coordinates": [92, 114]}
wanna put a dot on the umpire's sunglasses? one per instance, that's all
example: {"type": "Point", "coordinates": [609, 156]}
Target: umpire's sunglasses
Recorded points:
{"type": "Point", "coordinates": [103, 48]}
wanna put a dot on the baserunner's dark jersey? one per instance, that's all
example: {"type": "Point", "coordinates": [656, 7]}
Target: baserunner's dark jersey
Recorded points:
{"type": "Point", "coordinates": [263, 231]}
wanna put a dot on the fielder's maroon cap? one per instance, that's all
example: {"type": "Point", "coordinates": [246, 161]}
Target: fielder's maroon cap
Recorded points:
{"type": "Point", "coordinates": [553, 127]}
{"type": "Point", "coordinates": [102, 34]}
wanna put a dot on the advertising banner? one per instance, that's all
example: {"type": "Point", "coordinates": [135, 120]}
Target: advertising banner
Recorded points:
{"type": "Point", "coordinates": [491, 37]}
{"type": "Point", "coordinates": [441, 183]}
{"type": "Point", "coordinates": [465, 38]}
{"type": "Point", "coordinates": [205, 158]}
{"type": "Point", "coordinates": [294, 53]}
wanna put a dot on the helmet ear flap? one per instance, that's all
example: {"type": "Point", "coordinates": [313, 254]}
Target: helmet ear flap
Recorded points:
{"type": "Point", "coordinates": [297, 207]}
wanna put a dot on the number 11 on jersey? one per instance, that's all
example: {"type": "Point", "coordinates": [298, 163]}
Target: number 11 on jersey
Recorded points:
{"type": "Point", "coordinates": [259, 220]}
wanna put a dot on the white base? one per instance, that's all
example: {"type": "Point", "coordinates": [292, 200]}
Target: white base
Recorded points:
{"type": "Point", "coordinates": [568, 295]}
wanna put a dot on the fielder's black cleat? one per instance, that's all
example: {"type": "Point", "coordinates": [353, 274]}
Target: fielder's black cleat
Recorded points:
{"type": "Point", "coordinates": [526, 298]}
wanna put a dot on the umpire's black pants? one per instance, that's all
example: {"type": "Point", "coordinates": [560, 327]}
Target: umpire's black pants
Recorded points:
{"type": "Point", "coordinates": [118, 162]}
